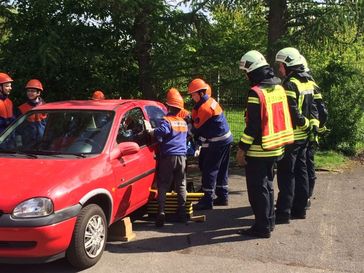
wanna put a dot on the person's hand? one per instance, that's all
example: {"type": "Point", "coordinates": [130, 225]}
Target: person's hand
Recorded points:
{"type": "Point", "coordinates": [147, 125]}
{"type": "Point", "coordinates": [240, 158]}
{"type": "Point", "coordinates": [197, 151]}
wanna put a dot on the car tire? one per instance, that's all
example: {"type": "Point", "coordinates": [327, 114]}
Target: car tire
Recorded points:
{"type": "Point", "coordinates": [89, 237]}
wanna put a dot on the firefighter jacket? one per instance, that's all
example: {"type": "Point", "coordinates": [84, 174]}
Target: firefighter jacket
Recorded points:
{"type": "Point", "coordinates": [321, 107]}
{"type": "Point", "coordinates": [268, 122]}
{"type": "Point", "coordinates": [300, 94]}
{"type": "Point", "coordinates": [33, 129]}
{"type": "Point", "coordinates": [6, 112]}
{"type": "Point", "coordinates": [172, 135]}
{"type": "Point", "coordinates": [209, 122]}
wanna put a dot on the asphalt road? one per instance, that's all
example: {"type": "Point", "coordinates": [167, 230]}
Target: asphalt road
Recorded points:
{"type": "Point", "coordinates": [331, 239]}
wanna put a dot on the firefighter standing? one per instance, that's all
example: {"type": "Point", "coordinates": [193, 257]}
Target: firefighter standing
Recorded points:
{"type": "Point", "coordinates": [210, 127]}
{"type": "Point", "coordinates": [313, 139]}
{"type": "Point", "coordinates": [172, 135]}
{"type": "Point", "coordinates": [268, 129]}
{"type": "Point", "coordinates": [34, 129]}
{"type": "Point", "coordinates": [6, 105]}
{"type": "Point", "coordinates": [292, 169]}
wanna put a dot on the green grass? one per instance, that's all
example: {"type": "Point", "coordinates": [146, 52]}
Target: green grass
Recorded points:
{"type": "Point", "coordinates": [235, 118]}
{"type": "Point", "coordinates": [329, 160]}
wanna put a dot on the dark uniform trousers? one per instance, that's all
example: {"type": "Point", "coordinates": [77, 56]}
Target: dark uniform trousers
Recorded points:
{"type": "Point", "coordinates": [215, 166]}
{"type": "Point", "coordinates": [292, 181]}
{"type": "Point", "coordinates": [259, 179]}
{"type": "Point", "coordinates": [310, 159]}
{"type": "Point", "coordinates": [171, 172]}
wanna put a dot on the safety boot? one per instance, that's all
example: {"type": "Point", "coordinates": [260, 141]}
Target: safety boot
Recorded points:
{"type": "Point", "coordinates": [219, 201]}
{"type": "Point", "coordinates": [202, 206]}
{"type": "Point", "coordinates": [252, 232]}
{"type": "Point", "coordinates": [159, 222]}
{"type": "Point", "coordinates": [282, 218]}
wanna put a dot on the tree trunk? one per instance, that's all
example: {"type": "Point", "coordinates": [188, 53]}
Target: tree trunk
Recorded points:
{"type": "Point", "coordinates": [143, 46]}
{"type": "Point", "coordinates": [277, 25]}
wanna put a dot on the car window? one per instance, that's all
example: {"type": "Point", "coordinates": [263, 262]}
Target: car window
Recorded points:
{"type": "Point", "coordinates": [59, 132]}
{"type": "Point", "coordinates": [155, 115]}
{"type": "Point", "coordinates": [132, 128]}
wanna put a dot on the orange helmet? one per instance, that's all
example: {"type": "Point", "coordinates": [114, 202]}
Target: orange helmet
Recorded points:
{"type": "Point", "coordinates": [208, 90]}
{"type": "Point", "coordinates": [98, 95]}
{"type": "Point", "coordinates": [34, 84]}
{"type": "Point", "coordinates": [174, 98]}
{"type": "Point", "coordinates": [197, 85]}
{"type": "Point", "coordinates": [5, 78]}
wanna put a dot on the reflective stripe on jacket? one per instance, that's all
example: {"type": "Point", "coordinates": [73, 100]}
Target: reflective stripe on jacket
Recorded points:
{"type": "Point", "coordinates": [172, 135]}
{"type": "Point", "coordinates": [209, 122]}
{"type": "Point", "coordinates": [276, 121]}
{"type": "Point", "coordinates": [303, 109]}
{"type": "Point", "coordinates": [207, 110]}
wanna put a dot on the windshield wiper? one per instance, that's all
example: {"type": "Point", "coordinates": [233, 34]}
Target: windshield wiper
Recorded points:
{"type": "Point", "coordinates": [31, 155]}
{"type": "Point", "coordinates": [57, 153]}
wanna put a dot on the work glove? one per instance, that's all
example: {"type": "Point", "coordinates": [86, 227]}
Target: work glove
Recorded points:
{"type": "Point", "coordinates": [148, 126]}
{"type": "Point", "coordinates": [323, 131]}
{"type": "Point", "coordinates": [240, 158]}
{"type": "Point", "coordinates": [197, 151]}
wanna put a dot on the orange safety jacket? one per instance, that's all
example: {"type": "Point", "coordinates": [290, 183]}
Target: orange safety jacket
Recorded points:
{"type": "Point", "coordinates": [6, 108]}
{"type": "Point", "coordinates": [207, 110]}
{"type": "Point", "coordinates": [276, 123]}
{"type": "Point", "coordinates": [183, 113]}
{"type": "Point", "coordinates": [26, 107]}
{"type": "Point", "coordinates": [178, 124]}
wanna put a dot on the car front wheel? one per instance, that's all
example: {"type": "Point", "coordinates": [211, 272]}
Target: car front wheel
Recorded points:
{"type": "Point", "coordinates": [89, 237]}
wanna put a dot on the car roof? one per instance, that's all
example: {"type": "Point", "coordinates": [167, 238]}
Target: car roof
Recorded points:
{"type": "Point", "coordinates": [94, 104]}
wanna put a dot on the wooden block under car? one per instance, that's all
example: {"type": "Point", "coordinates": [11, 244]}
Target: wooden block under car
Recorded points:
{"type": "Point", "coordinates": [121, 230]}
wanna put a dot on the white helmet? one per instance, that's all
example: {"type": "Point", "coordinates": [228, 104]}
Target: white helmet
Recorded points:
{"type": "Point", "coordinates": [252, 60]}
{"type": "Point", "coordinates": [290, 56]}
{"type": "Point", "coordinates": [305, 65]}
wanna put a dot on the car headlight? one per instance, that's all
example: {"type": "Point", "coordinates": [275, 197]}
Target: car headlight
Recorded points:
{"type": "Point", "coordinates": [35, 207]}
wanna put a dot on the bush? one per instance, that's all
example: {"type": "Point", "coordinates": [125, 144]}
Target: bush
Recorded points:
{"type": "Point", "coordinates": [343, 92]}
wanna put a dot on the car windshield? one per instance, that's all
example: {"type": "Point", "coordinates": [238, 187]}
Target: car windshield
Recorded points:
{"type": "Point", "coordinates": [74, 132]}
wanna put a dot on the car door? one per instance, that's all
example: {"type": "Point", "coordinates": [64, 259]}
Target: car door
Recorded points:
{"type": "Point", "coordinates": [134, 173]}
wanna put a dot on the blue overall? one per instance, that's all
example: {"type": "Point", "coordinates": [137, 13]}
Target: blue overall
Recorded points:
{"type": "Point", "coordinates": [216, 138]}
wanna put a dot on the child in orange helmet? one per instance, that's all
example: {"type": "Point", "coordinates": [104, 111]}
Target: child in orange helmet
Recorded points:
{"type": "Point", "coordinates": [172, 135]}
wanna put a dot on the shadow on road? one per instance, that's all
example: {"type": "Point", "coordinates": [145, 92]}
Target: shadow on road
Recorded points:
{"type": "Point", "coordinates": [221, 226]}
{"type": "Point", "coordinates": [59, 266]}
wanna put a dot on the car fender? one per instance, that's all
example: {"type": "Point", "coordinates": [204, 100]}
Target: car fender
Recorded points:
{"type": "Point", "coordinates": [99, 191]}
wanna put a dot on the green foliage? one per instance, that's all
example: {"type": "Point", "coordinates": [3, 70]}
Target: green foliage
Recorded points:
{"type": "Point", "coordinates": [235, 118]}
{"type": "Point", "coordinates": [344, 94]}
{"type": "Point", "coordinates": [74, 47]}
{"type": "Point", "coordinates": [329, 160]}
{"type": "Point", "coordinates": [330, 35]}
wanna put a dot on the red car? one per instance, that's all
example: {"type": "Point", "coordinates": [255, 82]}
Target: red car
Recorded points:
{"type": "Point", "coordinates": [68, 171]}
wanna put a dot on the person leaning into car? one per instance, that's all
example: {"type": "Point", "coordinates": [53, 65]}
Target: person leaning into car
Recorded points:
{"type": "Point", "coordinates": [172, 136]}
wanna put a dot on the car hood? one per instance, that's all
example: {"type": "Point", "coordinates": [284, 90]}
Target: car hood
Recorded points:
{"type": "Point", "coordinates": [22, 179]}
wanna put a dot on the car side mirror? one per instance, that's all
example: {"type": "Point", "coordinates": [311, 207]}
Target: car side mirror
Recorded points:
{"type": "Point", "coordinates": [124, 148]}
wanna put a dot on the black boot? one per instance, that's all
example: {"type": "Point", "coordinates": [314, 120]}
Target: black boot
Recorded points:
{"type": "Point", "coordinates": [159, 222]}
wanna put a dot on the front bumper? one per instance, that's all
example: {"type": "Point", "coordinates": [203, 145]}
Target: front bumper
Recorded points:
{"type": "Point", "coordinates": [37, 237]}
